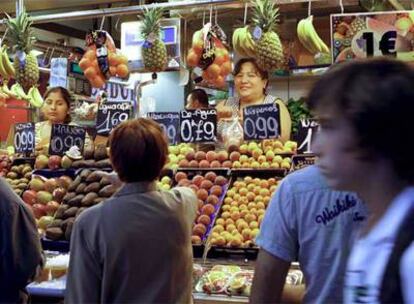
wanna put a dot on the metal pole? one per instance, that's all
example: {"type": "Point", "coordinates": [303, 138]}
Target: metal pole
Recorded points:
{"type": "Point", "coordinates": [19, 6]}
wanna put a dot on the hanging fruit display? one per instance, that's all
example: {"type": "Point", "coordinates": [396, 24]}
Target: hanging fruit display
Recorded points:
{"type": "Point", "coordinates": [21, 39]}
{"type": "Point", "coordinates": [269, 49]}
{"type": "Point", "coordinates": [102, 60]}
{"type": "Point", "coordinates": [310, 39]}
{"type": "Point", "coordinates": [154, 51]}
{"type": "Point", "coordinates": [209, 52]}
{"type": "Point", "coordinates": [243, 42]}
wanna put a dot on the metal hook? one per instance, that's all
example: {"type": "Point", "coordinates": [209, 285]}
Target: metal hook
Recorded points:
{"type": "Point", "coordinates": [51, 54]}
{"type": "Point", "coordinates": [204, 18]}
{"type": "Point", "coordinates": [45, 56]}
{"type": "Point", "coordinates": [4, 36]}
{"type": "Point", "coordinates": [215, 17]}
{"type": "Point", "coordinates": [245, 13]}
{"type": "Point", "coordinates": [211, 13]}
{"type": "Point", "coordinates": [117, 24]}
{"type": "Point", "coordinates": [342, 6]}
{"type": "Point", "coordinates": [102, 23]}
{"type": "Point", "coordinates": [310, 7]}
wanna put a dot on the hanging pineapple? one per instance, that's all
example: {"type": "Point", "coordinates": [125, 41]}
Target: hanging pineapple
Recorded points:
{"type": "Point", "coordinates": [269, 50]}
{"type": "Point", "coordinates": [154, 52]}
{"type": "Point", "coordinates": [21, 39]}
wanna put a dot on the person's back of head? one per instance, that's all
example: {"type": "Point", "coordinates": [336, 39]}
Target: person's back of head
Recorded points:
{"type": "Point", "coordinates": [198, 98]}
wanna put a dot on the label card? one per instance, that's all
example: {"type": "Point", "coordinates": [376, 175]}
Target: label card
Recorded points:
{"type": "Point", "coordinates": [169, 122]}
{"type": "Point", "coordinates": [198, 126]}
{"type": "Point", "coordinates": [111, 114]}
{"type": "Point", "coordinates": [306, 135]}
{"type": "Point", "coordinates": [24, 138]}
{"type": "Point", "coordinates": [261, 122]}
{"type": "Point", "coordinates": [63, 137]}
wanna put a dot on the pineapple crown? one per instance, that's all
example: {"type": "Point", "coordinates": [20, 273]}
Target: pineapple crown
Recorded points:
{"type": "Point", "coordinates": [265, 15]}
{"type": "Point", "coordinates": [151, 22]}
{"type": "Point", "coordinates": [20, 34]}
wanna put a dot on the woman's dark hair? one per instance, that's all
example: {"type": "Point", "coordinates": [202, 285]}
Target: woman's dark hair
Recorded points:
{"type": "Point", "coordinates": [139, 150]}
{"type": "Point", "coordinates": [67, 97]}
{"type": "Point", "coordinates": [376, 96]}
{"type": "Point", "coordinates": [263, 74]}
{"type": "Point", "coordinates": [201, 96]}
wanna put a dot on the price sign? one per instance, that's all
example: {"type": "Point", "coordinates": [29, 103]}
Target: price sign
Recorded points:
{"type": "Point", "coordinates": [64, 137]}
{"type": "Point", "coordinates": [261, 122]}
{"type": "Point", "coordinates": [306, 134]}
{"type": "Point", "coordinates": [24, 137]}
{"type": "Point", "coordinates": [302, 161]}
{"type": "Point", "coordinates": [376, 35]}
{"type": "Point", "coordinates": [111, 114]}
{"type": "Point", "coordinates": [169, 122]}
{"type": "Point", "coordinates": [198, 125]}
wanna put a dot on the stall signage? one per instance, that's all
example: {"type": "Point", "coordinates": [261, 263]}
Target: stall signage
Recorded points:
{"type": "Point", "coordinates": [111, 114]}
{"type": "Point", "coordinates": [169, 122]}
{"type": "Point", "coordinates": [198, 125]}
{"type": "Point", "coordinates": [24, 137]}
{"type": "Point", "coordinates": [261, 122]}
{"type": "Point", "coordinates": [63, 137]}
{"type": "Point", "coordinates": [306, 134]}
{"type": "Point", "coordinates": [302, 160]}
{"type": "Point", "coordinates": [376, 35]}
{"type": "Point", "coordinates": [115, 92]}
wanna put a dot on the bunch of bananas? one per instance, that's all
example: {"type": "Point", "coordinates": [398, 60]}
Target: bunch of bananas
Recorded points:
{"type": "Point", "coordinates": [6, 67]}
{"type": "Point", "coordinates": [309, 37]}
{"type": "Point", "coordinates": [33, 96]}
{"type": "Point", "coordinates": [243, 42]}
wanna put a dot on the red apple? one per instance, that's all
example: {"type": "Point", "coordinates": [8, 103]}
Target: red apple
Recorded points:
{"type": "Point", "coordinates": [51, 207]}
{"type": "Point", "coordinates": [29, 197]}
{"type": "Point", "coordinates": [39, 210]}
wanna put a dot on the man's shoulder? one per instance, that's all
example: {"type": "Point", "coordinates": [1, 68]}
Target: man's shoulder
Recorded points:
{"type": "Point", "coordinates": [306, 179]}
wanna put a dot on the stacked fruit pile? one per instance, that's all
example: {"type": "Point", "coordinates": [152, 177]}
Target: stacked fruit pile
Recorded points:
{"type": "Point", "coordinates": [5, 165]}
{"type": "Point", "coordinates": [211, 159]}
{"type": "Point", "coordinates": [176, 153]}
{"type": "Point", "coordinates": [242, 212]}
{"type": "Point", "coordinates": [209, 189]}
{"type": "Point", "coordinates": [44, 197]}
{"type": "Point", "coordinates": [89, 188]}
{"type": "Point", "coordinates": [164, 183]}
{"type": "Point", "coordinates": [19, 177]}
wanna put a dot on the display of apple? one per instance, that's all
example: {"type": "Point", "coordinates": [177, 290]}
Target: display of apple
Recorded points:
{"type": "Point", "coordinates": [54, 162]}
{"type": "Point", "coordinates": [242, 212]}
{"type": "Point", "coordinates": [176, 153]}
{"type": "Point", "coordinates": [164, 183]}
{"type": "Point", "coordinates": [52, 207]}
{"type": "Point", "coordinates": [39, 210]}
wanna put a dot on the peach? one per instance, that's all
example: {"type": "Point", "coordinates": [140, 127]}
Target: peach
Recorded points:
{"type": "Point", "coordinates": [207, 209]}
{"type": "Point", "coordinates": [250, 217]}
{"type": "Point", "coordinates": [256, 190]}
{"type": "Point", "coordinates": [196, 240]}
{"type": "Point", "coordinates": [227, 164]}
{"type": "Point", "coordinates": [226, 207]}
{"type": "Point", "coordinates": [222, 156]}
{"type": "Point", "coordinates": [211, 176]}
{"type": "Point", "coordinates": [204, 164]}
{"type": "Point", "coordinates": [248, 179]}
{"type": "Point", "coordinates": [220, 180]}
{"type": "Point", "coordinates": [264, 184]}
{"type": "Point", "coordinates": [218, 228]}
{"type": "Point", "coordinates": [204, 219]}
{"type": "Point", "coordinates": [250, 196]}
{"type": "Point", "coordinates": [230, 228]}
{"type": "Point", "coordinates": [228, 200]}
{"type": "Point", "coordinates": [253, 225]}
{"type": "Point", "coordinates": [250, 187]}
{"type": "Point", "coordinates": [261, 159]}
{"type": "Point", "coordinates": [193, 164]}
{"type": "Point", "coordinates": [260, 205]}
{"type": "Point", "coordinates": [272, 181]}
{"type": "Point", "coordinates": [235, 215]}
{"type": "Point", "coordinates": [202, 194]}
{"type": "Point", "coordinates": [243, 191]}
{"type": "Point", "coordinates": [184, 183]}
{"type": "Point", "coordinates": [183, 163]}
{"type": "Point", "coordinates": [257, 181]}
{"type": "Point", "coordinates": [194, 188]}
{"type": "Point", "coordinates": [242, 225]}
{"type": "Point", "coordinates": [242, 207]}
{"type": "Point", "coordinates": [190, 156]}
{"type": "Point", "coordinates": [258, 198]}
{"type": "Point", "coordinates": [197, 180]}
{"type": "Point", "coordinates": [215, 164]}
{"type": "Point", "coordinates": [199, 229]}
{"type": "Point", "coordinates": [251, 205]}
{"type": "Point", "coordinates": [200, 155]}
{"type": "Point", "coordinates": [211, 156]}
{"type": "Point", "coordinates": [264, 192]}
{"type": "Point", "coordinates": [216, 190]}
{"type": "Point", "coordinates": [200, 204]}
{"type": "Point", "coordinates": [225, 215]}
{"type": "Point", "coordinates": [212, 199]}
{"type": "Point", "coordinates": [246, 233]}
{"type": "Point", "coordinates": [220, 221]}
{"type": "Point", "coordinates": [244, 213]}
{"type": "Point", "coordinates": [220, 241]}
{"type": "Point", "coordinates": [179, 176]}
{"type": "Point", "coordinates": [234, 204]}
{"type": "Point", "coordinates": [236, 165]}
{"type": "Point", "coordinates": [206, 184]}
{"type": "Point", "coordinates": [234, 156]}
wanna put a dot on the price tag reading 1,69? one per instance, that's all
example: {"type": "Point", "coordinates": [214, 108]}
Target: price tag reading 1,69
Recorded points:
{"type": "Point", "coordinates": [169, 122]}
{"type": "Point", "coordinates": [261, 122]}
{"type": "Point", "coordinates": [198, 125]}
{"type": "Point", "coordinates": [24, 137]}
{"type": "Point", "coordinates": [111, 114]}
{"type": "Point", "coordinates": [64, 137]}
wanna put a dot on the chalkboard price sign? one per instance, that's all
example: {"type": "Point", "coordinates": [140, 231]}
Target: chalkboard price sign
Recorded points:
{"type": "Point", "coordinates": [111, 114]}
{"type": "Point", "coordinates": [64, 137]}
{"type": "Point", "coordinates": [306, 135]}
{"type": "Point", "coordinates": [24, 137]}
{"type": "Point", "coordinates": [261, 122]}
{"type": "Point", "coordinates": [198, 125]}
{"type": "Point", "coordinates": [169, 122]}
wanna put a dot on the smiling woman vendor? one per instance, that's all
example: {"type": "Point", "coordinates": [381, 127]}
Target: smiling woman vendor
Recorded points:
{"type": "Point", "coordinates": [55, 110]}
{"type": "Point", "coordinates": [250, 84]}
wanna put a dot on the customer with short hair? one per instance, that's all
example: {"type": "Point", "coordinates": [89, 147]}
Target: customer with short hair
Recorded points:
{"type": "Point", "coordinates": [135, 247]}
{"type": "Point", "coordinates": [364, 145]}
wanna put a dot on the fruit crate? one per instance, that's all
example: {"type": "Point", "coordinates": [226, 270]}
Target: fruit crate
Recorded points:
{"type": "Point", "coordinates": [246, 250]}
{"type": "Point", "coordinates": [198, 248]}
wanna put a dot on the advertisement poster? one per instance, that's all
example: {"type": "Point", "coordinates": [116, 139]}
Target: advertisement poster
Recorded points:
{"type": "Point", "coordinates": [365, 35]}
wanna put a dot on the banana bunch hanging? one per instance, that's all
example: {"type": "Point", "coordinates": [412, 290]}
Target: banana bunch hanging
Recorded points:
{"type": "Point", "coordinates": [309, 38]}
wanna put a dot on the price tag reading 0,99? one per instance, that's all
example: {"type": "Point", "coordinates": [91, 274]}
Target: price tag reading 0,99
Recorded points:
{"type": "Point", "coordinates": [169, 122]}
{"type": "Point", "coordinates": [198, 125]}
{"type": "Point", "coordinates": [64, 137]}
{"type": "Point", "coordinates": [24, 137]}
{"type": "Point", "coordinates": [261, 122]}
{"type": "Point", "coordinates": [111, 114]}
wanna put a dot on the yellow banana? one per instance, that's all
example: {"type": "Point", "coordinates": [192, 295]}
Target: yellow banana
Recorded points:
{"type": "Point", "coordinates": [35, 98]}
{"type": "Point", "coordinates": [3, 71]}
{"type": "Point", "coordinates": [304, 37]}
{"type": "Point", "coordinates": [248, 43]}
{"type": "Point", "coordinates": [19, 92]}
{"type": "Point", "coordinates": [8, 65]}
{"type": "Point", "coordinates": [236, 42]}
{"type": "Point", "coordinates": [7, 91]}
{"type": "Point", "coordinates": [320, 46]}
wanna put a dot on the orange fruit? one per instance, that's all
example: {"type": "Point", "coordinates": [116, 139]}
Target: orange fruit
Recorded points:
{"type": "Point", "coordinates": [90, 72]}
{"type": "Point", "coordinates": [113, 59]}
{"type": "Point", "coordinates": [220, 82]}
{"type": "Point", "coordinates": [122, 71]}
{"type": "Point", "coordinates": [198, 46]}
{"type": "Point", "coordinates": [214, 71]}
{"type": "Point", "coordinates": [123, 59]}
{"type": "Point", "coordinates": [225, 68]}
{"type": "Point", "coordinates": [192, 58]}
{"type": "Point", "coordinates": [98, 81]}
{"type": "Point", "coordinates": [90, 54]}
{"type": "Point", "coordinates": [112, 70]}
{"type": "Point", "coordinates": [84, 63]}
